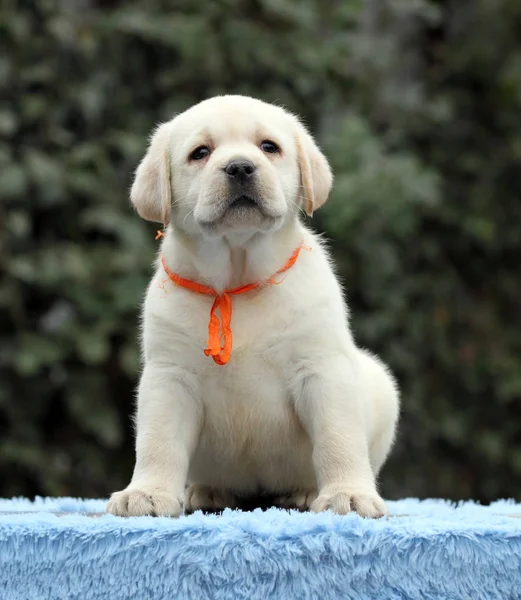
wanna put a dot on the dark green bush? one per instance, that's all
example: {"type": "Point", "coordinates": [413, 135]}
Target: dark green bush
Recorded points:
{"type": "Point", "coordinates": [416, 104]}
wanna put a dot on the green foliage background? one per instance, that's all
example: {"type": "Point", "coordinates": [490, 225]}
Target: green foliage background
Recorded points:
{"type": "Point", "coordinates": [417, 105]}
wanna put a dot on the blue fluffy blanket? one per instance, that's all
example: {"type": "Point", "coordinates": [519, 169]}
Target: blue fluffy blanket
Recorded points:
{"type": "Point", "coordinates": [425, 550]}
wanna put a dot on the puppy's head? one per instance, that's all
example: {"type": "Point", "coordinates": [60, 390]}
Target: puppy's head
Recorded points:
{"type": "Point", "coordinates": [230, 164]}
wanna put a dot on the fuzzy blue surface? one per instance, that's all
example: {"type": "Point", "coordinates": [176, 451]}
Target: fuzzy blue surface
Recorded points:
{"type": "Point", "coordinates": [436, 551]}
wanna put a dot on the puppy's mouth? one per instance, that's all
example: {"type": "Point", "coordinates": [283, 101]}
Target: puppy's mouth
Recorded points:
{"type": "Point", "coordinates": [244, 202]}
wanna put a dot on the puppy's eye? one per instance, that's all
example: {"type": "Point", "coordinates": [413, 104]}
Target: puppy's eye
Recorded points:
{"type": "Point", "coordinates": [269, 147]}
{"type": "Point", "coordinates": [200, 152]}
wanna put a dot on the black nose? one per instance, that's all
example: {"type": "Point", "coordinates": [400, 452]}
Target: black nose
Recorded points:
{"type": "Point", "coordinates": [240, 169]}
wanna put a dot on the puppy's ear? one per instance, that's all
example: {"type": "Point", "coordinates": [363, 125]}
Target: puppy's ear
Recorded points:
{"type": "Point", "coordinates": [316, 177]}
{"type": "Point", "coordinates": [151, 192]}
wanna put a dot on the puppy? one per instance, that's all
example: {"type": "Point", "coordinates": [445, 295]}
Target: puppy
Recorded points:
{"type": "Point", "coordinates": [252, 382]}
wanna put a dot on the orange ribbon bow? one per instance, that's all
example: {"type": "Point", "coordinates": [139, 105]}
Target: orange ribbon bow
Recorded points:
{"type": "Point", "coordinates": [217, 329]}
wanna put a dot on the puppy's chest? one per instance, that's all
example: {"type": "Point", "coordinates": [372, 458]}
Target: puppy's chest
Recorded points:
{"type": "Point", "coordinates": [260, 318]}
{"type": "Point", "coordinates": [251, 392]}
{"type": "Point", "coordinates": [261, 321]}
{"type": "Point", "coordinates": [246, 402]}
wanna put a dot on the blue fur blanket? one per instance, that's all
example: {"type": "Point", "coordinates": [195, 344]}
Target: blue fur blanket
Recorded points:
{"type": "Point", "coordinates": [425, 550]}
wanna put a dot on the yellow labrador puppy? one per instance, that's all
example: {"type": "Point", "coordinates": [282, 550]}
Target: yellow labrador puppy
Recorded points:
{"type": "Point", "coordinates": [252, 383]}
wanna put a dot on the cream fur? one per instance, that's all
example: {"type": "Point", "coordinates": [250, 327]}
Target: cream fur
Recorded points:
{"type": "Point", "coordinates": [299, 411]}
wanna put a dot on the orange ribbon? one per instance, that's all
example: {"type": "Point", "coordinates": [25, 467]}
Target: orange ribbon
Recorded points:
{"type": "Point", "coordinates": [218, 330]}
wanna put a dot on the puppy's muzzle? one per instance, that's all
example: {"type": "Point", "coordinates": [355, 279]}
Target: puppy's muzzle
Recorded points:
{"type": "Point", "coordinates": [241, 177]}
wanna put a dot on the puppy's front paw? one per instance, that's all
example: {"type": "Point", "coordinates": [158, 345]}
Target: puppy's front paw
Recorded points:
{"type": "Point", "coordinates": [141, 501]}
{"type": "Point", "coordinates": [300, 500]}
{"type": "Point", "coordinates": [204, 497]}
{"type": "Point", "coordinates": [342, 501]}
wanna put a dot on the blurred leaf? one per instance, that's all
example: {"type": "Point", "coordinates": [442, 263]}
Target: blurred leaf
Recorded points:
{"type": "Point", "coordinates": [34, 352]}
{"type": "Point", "coordinates": [89, 405]}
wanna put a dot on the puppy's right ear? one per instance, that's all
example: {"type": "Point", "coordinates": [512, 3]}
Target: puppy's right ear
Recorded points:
{"type": "Point", "coordinates": [151, 192]}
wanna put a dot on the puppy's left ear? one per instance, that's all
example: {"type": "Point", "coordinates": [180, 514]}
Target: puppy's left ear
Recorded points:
{"type": "Point", "coordinates": [151, 192]}
{"type": "Point", "coordinates": [316, 177]}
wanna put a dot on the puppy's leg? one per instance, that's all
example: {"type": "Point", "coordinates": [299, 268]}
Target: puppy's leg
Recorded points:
{"type": "Point", "coordinates": [204, 497]}
{"type": "Point", "coordinates": [383, 409]}
{"type": "Point", "coordinates": [329, 403]}
{"type": "Point", "coordinates": [168, 421]}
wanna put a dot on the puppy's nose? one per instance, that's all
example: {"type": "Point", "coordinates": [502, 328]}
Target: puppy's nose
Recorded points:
{"type": "Point", "coordinates": [240, 169]}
